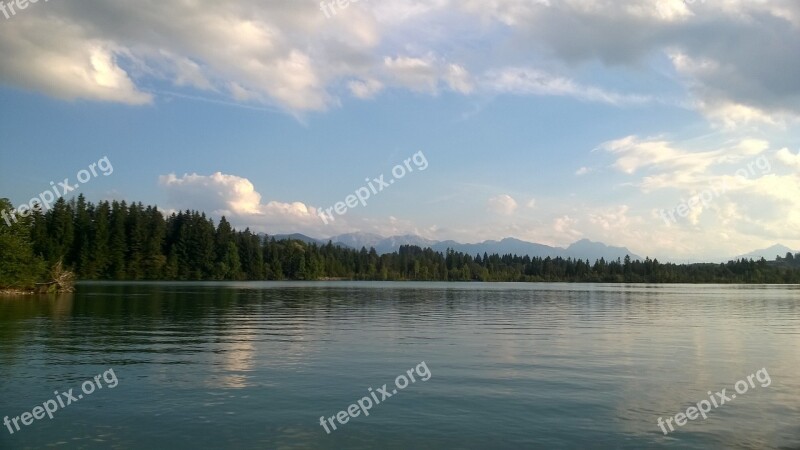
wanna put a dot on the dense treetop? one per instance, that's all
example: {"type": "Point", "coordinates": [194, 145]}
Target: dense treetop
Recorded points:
{"type": "Point", "coordinates": [117, 241]}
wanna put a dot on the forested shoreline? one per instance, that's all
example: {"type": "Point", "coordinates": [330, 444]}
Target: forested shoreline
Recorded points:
{"type": "Point", "coordinates": [118, 241]}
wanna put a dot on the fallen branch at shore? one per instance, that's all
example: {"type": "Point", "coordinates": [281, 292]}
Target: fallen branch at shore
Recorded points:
{"type": "Point", "coordinates": [61, 281]}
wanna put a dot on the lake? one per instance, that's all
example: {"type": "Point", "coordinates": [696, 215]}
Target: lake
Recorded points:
{"type": "Point", "coordinates": [257, 364]}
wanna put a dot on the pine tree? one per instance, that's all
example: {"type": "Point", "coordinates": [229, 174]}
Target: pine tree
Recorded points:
{"type": "Point", "coordinates": [222, 240]}
{"type": "Point", "coordinates": [101, 235]}
{"type": "Point", "coordinates": [60, 232]}
{"type": "Point", "coordinates": [136, 238]}
{"type": "Point", "coordinates": [80, 257]}
{"type": "Point", "coordinates": [19, 267]}
{"type": "Point", "coordinates": [117, 244]}
{"type": "Point", "coordinates": [154, 259]}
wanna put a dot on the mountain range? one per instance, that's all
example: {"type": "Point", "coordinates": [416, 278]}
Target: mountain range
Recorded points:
{"type": "Point", "coordinates": [583, 249]}
{"type": "Point", "coordinates": [768, 253]}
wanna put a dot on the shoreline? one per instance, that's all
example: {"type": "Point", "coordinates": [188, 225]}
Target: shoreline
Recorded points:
{"type": "Point", "coordinates": [16, 292]}
{"type": "Point", "coordinates": [351, 280]}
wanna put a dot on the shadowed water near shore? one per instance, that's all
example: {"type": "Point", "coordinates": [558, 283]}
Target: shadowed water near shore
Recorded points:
{"type": "Point", "coordinates": [255, 365]}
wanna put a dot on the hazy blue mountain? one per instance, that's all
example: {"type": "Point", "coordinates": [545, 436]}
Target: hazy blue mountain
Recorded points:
{"type": "Point", "coordinates": [358, 240]}
{"type": "Point", "coordinates": [379, 243]}
{"type": "Point", "coordinates": [506, 246]}
{"type": "Point", "coordinates": [767, 253]}
{"type": "Point", "coordinates": [583, 249]}
{"type": "Point", "coordinates": [297, 237]}
{"type": "Point", "coordinates": [393, 243]}
{"type": "Point", "coordinates": [586, 249]}
{"type": "Point", "coordinates": [303, 238]}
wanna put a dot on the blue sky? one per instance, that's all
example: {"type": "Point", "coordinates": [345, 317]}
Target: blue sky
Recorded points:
{"type": "Point", "coordinates": [545, 121]}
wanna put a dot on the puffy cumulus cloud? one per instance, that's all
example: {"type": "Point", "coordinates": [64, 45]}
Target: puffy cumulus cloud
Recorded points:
{"type": "Point", "coordinates": [503, 204]}
{"type": "Point", "coordinates": [220, 193]}
{"type": "Point", "coordinates": [236, 198]}
{"type": "Point", "coordinates": [64, 60]}
{"type": "Point", "coordinates": [288, 54]}
{"type": "Point", "coordinates": [277, 52]}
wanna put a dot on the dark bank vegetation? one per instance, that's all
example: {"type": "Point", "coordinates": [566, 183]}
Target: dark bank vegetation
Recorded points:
{"type": "Point", "coordinates": [22, 269]}
{"type": "Point", "coordinates": [117, 241]}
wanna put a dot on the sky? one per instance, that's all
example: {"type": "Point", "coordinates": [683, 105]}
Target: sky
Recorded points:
{"type": "Point", "coordinates": [666, 126]}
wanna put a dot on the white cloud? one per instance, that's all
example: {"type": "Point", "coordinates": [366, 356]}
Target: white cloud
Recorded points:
{"type": "Point", "coordinates": [235, 197]}
{"type": "Point", "coordinates": [64, 61]}
{"type": "Point", "coordinates": [71, 50]}
{"type": "Point", "coordinates": [189, 73]}
{"type": "Point", "coordinates": [459, 79]}
{"type": "Point", "coordinates": [634, 154]}
{"type": "Point", "coordinates": [712, 44]}
{"type": "Point", "coordinates": [670, 165]}
{"type": "Point", "coordinates": [789, 159]}
{"type": "Point", "coordinates": [673, 10]}
{"type": "Point", "coordinates": [289, 55]}
{"type": "Point", "coordinates": [724, 111]}
{"type": "Point", "coordinates": [565, 225]}
{"type": "Point", "coordinates": [611, 219]}
{"type": "Point", "coordinates": [529, 81]}
{"type": "Point", "coordinates": [502, 204]}
{"type": "Point", "coordinates": [416, 74]}
{"type": "Point", "coordinates": [365, 89]}
{"type": "Point", "coordinates": [754, 202]}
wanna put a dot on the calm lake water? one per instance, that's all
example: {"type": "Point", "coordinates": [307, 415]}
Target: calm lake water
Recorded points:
{"type": "Point", "coordinates": [255, 365]}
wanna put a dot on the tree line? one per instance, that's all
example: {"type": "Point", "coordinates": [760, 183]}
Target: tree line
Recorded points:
{"type": "Point", "coordinates": [120, 241]}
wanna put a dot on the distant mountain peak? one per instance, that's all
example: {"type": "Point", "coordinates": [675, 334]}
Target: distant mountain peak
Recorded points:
{"type": "Point", "coordinates": [768, 253]}
{"type": "Point", "coordinates": [582, 249]}
{"type": "Point", "coordinates": [587, 249]}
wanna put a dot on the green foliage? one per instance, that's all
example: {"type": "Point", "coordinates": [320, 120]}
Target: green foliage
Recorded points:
{"type": "Point", "coordinates": [20, 268]}
{"type": "Point", "coordinates": [132, 242]}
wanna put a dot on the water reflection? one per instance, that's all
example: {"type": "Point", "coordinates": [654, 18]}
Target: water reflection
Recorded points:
{"type": "Point", "coordinates": [255, 364]}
